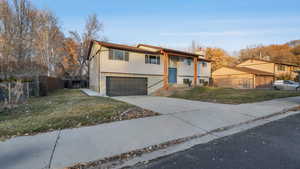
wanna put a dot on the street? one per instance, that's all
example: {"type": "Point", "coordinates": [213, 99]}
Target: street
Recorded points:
{"type": "Point", "coordinates": [275, 145]}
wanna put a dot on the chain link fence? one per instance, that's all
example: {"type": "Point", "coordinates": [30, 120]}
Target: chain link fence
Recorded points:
{"type": "Point", "coordinates": [18, 91]}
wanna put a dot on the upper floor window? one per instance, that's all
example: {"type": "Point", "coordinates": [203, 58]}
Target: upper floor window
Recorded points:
{"type": "Point", "coordinates": [204, 64]}
{"type": "Point", "coordinates": [189, 62]}
{"type": "Point", "coordinates": [115, 54]}
{"type": "Point", "coordinates": [151, 59]}
{"type": "Point", "coordinates": [281, 68]}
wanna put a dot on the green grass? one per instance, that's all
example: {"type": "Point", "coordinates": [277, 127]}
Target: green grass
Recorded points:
{"type": "Point", "coordinates": [62, 109]}
{"type": "Point", "coordinates": [232, 96]}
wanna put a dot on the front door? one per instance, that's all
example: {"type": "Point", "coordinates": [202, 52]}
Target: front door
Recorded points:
{"type": "Point", "coordinates": [172, 75]}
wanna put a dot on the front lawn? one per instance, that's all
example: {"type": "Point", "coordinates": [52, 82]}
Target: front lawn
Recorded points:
{"type": "Point", "coordinates": [231, 96]}
{"type": "Point", "coordinates": [64, 109]}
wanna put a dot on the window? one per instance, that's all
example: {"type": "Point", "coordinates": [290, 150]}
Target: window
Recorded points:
{"type": "Point", "coordinates": [281, 68]}
{"type": "Point", "coordinates": [204, 64]}
{"type": "Point", "coordinates": [115, 54]}
{"type": "Point", "coordinates": [189, 61]}
{"type": "Point", "coordinates": [151, 59]}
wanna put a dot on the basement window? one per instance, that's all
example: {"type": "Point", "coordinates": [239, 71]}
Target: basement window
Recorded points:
{"type": "Point", "coordinates": [151, 59]}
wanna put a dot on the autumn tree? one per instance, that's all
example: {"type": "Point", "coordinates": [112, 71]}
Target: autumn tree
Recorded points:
{"type": "Point", "coordinates": [70, 60]}
{"type": "Point", "coordinates": [92, 29]}
{"type": "Point", "coordinates": [220, 58]}
{"type": "Point", "coordinates": [278, 53]}
{"type": "Point", "coordinates": [31, 40]}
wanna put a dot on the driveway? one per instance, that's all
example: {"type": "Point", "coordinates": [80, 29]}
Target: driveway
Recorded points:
{"type": "Point", "coordinates": [209, 116]}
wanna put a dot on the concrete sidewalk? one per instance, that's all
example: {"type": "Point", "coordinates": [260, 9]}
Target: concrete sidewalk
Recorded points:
{"type": "Point", "coordinates": [84, 144]}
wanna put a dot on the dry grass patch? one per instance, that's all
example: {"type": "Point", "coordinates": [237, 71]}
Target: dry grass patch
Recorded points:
{"type": "Point", "coordinates": [64, 109]}
{"type": "Point", "coordinates": [231, 96]}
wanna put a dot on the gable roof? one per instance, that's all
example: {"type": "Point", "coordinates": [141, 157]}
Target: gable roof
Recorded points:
{"type": "Point", "coordinates": [173, 51]}
{"type": "Point", "coordinates": [124, 47]}
{"type": "Point", "coordinates": [169, 50]}
{"type": "Point", "coordinates": [276, 62]}
{"type": "Point", "coordinates": [251, 71]}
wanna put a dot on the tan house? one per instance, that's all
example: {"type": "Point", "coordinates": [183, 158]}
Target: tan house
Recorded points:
{"type": "Point", "coordinates": [118, 70]}
{"type": "Point", "coordinates": [253, 73]}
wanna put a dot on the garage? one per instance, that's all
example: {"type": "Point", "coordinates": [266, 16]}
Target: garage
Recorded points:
{"type": "Point", "coordinates": [242, 78]}
{"type": "Point", "coordinates": [126, 86]}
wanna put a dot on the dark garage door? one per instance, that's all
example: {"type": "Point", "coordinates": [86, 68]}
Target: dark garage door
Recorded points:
{"type": "Point", "coordinates": [126, 86]}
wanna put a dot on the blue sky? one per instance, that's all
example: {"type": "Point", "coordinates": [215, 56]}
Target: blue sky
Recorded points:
{"type": "Point", "coordinates": [229, 24]}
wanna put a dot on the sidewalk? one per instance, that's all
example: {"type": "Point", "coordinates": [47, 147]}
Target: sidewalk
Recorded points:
{"type": "Point", "coordinates": [97, 142]}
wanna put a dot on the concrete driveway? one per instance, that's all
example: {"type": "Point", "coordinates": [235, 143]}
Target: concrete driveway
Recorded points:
{"type": "Point", "coordinates": [209, 116]}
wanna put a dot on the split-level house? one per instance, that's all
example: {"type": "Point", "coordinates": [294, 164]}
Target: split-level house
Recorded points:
{"type": "Point", "coordinates": [119, 70]}
{"type": "Point", "coordinates": [253, 73]}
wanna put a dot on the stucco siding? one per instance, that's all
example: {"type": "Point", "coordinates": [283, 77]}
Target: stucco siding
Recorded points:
{"type": "Point", "coordinates": [135, 65]}
{"type": "Point", "coordinates": [94, 73]}
{"type": "Point", "coordinates": [183, 69]}
{"type": "Point", "coordinates": [204, 71]}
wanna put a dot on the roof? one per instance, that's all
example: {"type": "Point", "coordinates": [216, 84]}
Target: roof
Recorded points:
{"type": "Point", "coordinates": [175, 52]}
{"type": "Point", "coordinates": [276, 62]}
{"type": "Point", "coordinates": [251, 71]}
{"type": "Point", "coordinates": [125, 47]}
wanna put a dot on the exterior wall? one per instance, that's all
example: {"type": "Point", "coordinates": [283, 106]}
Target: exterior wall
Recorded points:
{"type": "Point", "coordinates": [269, 67]}
{"type": "Point", "coordinates": [258, 65]}
{"type": "Point", "coordinates": [94, 73]}
{"type": "Point", "coordinates": [204, 72]}
{"type": "Point", "coordinates": [264, 81]}
{"type": "Point", "coordinates": [185, 71]}
{"type": "Point", "coordinates": [243, 81]}
{"type": "Point", "coordinates": [101, 66]}
{"type": "Point", "coordinates": [154, 82]}
{"type": "Point", "coordinates": [289, 70]}
{"type": "Point", "coordinates": [135, 65]}
{"type": "Point", "coordinates": [230, 78]}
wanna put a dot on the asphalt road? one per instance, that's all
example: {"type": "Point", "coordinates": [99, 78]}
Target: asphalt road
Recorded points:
{"type": "Point", "coordinates": [275, 145]}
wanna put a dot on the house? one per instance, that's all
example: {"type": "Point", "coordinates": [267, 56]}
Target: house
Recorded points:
{"type": "Point", "coordinates": [253, 73]}
{"type": "Point", "coordinates": [118, 70]}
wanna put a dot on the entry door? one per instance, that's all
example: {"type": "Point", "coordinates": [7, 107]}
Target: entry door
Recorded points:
{"type": "Point", "coordinates": [172, 75]}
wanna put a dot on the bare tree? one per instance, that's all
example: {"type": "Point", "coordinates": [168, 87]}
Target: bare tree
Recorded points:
{"type": "Point", "coordinates": [92, 29]}
{"type": "Point", "coordinates": [48, 42]}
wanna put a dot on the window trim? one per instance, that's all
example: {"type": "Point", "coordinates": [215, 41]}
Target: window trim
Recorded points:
{"type": "Point", "coordinates": [148, 59]}
{"type": "Point", "coordinates": [189, 61]}
{"type": "Point", "coordinates": [280, 67]}
{"type": "Point", "coordinates": [112, 55]}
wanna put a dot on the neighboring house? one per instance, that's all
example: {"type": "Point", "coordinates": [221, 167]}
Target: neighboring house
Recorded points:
{"type": "Point", "coordinates": [117, 70]}
{"type": "Point", "coordinates": [253, 73]}
{"type": "Point", "coordinates": [277, 68]}
{"type": "Point", "coordinates": [242, 77]}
